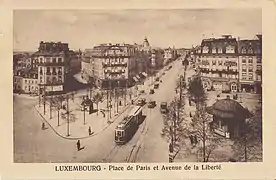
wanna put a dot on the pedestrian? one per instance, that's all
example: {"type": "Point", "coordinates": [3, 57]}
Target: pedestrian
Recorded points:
{"type": "Point", "coordinates": [89, 131]}
{"type": "Point", "coordinates": [191, 139]}
{"type": "Point", "coordinates": [43, 126]}
{"type": "Point", "coordinates": [132, 102]}
{"type": "Point", "coordinates": [191, 114]}
{"type": "Point", "coordinates": [78, 145]}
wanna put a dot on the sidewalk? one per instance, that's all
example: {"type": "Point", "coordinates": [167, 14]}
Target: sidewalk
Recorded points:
{"type": "Point", "coordinates": [78, 128]}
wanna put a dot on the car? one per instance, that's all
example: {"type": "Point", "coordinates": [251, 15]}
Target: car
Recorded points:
{"type": "Point", "coordinates": [163, 73]}
{"type": "Point", "coordinates": [157, 79]}
{"type": "Point", "coordinates": [163, 107]}
{"type": "Point", "coordinates": [151, 104]}
{"type": "Point", "coordinates": [141, 102]}
{"type": "Point", "coordinates": [156, 86]}
{"type": "Point", "coordinates": [151, 91]}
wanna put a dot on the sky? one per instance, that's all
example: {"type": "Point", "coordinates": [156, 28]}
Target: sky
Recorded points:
{"type": "Point", "coordinates": [84, 29]}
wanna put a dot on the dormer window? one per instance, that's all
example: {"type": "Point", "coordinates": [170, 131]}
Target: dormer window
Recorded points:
{"type": "Point", "coordinates": [230, 49]}
{"type": "Point", "coordinates": [243, 50]}
{"type": "Point", "coordinates": [205, 49]}
{"type": "Point", "coordinates": [214, 50]}
{"type": "Point", "coordinates": [250, 51]}
{"type": "Point", "coordinates": [219, 50]}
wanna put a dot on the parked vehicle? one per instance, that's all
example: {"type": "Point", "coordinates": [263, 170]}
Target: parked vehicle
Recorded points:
{"type": "Point", "coordinates": [163, 107]}
{"type": "Point", "coordinates": [128, 126]}
{"type": "Point", "coordinates": [151, 91]}
{"type": "Point", "coordinates": [152, 104]}
{"type": "Point", "coordinates": [156, 86]}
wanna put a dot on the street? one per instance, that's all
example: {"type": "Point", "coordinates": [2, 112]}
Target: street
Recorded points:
{"type": "Point", "coordinates": [31, 144]}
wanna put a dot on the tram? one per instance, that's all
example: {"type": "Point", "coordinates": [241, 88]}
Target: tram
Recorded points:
{"type": "Point", "coordinates": [126, 129]}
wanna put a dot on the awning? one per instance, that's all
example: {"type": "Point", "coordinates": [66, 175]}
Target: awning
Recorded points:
{"type": "Point", "coordinates": [135, 79]}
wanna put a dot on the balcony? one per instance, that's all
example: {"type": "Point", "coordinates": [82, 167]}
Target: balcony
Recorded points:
{"type": "Point", "coordinates": [50, 63]}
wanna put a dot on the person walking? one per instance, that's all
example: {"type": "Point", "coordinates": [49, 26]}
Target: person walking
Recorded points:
{"type": "Point", "coordinates": [43, 126]}
{"type": "Point", "coordinates": [89, 131]}
{"type": "Point", "coordinates": [191, 139]}
{"type": "Point", "coordinates": [78, 145]}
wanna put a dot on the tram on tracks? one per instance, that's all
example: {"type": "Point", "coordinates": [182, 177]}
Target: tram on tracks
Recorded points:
{"type": "Point", "coordinates": [126, 129]}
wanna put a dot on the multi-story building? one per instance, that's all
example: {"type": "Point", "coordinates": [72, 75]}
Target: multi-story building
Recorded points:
{"type": "Point", "coordinates": [52, 60]}
{"type": "Point", "coordinates": [111, 65]}
{"type": "Point", "coordinates": [26, 81]}
{"type": "Point", "coordinates": [250, 64]}
{"type": "Point", "coordinates": [218, 63]}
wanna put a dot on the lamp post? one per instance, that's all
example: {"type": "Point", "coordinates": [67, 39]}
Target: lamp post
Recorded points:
{"type": "Point", "coordinates": [67, 103]}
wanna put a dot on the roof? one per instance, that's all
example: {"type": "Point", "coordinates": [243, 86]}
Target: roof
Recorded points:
{"type": "Point", "coordinates": [255, 45]}
{"type": "Point", "coordinates": [228, 108]}
{"type": "Point", "coordinates": [215, 43]}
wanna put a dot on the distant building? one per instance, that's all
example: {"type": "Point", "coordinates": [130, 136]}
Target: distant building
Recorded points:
{"type": "Point", "coordinates": [26, 81]}
{"type": "Point", "coordinates": [218, 63]}
{"type": "Point", "coordinates": [250, 60]}
{"type": "Point", "coordinates": [170, 54]}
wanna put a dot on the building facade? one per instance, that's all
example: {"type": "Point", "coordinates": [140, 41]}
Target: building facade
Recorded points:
{"type": "Point", "coordinates": [218, 63]}
{"type": "Point", "coordinates": [111, 65]}
{"type": "Point", "coordinates": [170, 54]}
{"type": "Point", "coordinates": [52, 61]}
{"type": "Point", "coordinates": [26, 81]}
{"type": "Point", "coordinates": [250, 65]}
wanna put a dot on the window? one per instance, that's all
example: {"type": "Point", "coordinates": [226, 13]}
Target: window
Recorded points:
{"type": "Point", "coordinates": [250, 69]}
{"type": "Point", "coordinates": [214, 50]}
{"type": "Point", "coordinates": [54, 60]}
{"type": "Point", "coordinates": [214, 63]}
{"type": "Point", "coordinates": [54, 79]}
{"type": "Point", "coordinates": [243, 50]}
{"type": "Point", "coordinates": [259, 67]}
{"type": "Point", "coordinates": [26, 87]}
{"type": "Point", "coordinates": [259, 77]}
{"type": "Point", "coordinates": [243, 70]}
{"type": "Point", "coordinates": [48, 60]}
{"type": "Point", "coordinates": [243, 60]}
{"type": "Point", "coordinates": [60, 79]}
{"type": "Point", "coordinates": [243, 66]}
{"type": "Point", "coordinates": [250, 61]}
{"type": "Point", "coordinates": [205, 49]}
{"type": "Point", "coordinates": [250, 75]}
{"type": "Point", "coordinates": [220, 50]}
{"type": "Point", "coordinates": [59, 60]}
{"type": "Point", "coordinates": [259, 60]}
{"type": "Point", "coordinates": [243, 75]}
{"type": "Point", "coordinates": [220, 63]}
{"type": "Point", "coordinates": [250, 51]}
{"type": "Point", "coordinates": [54, 71]}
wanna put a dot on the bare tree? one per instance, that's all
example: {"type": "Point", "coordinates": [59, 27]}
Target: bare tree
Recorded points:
{"type": "Point", "coordinates": [57, 104]}
{"type": "Point", "coordinates": [207, 140]}
{"type": "Point", "coordinates": [248, 147]}
{"type": "Point", "coordinates": [174, 125]}
{"type": "Point", "coordinates": [97, 98]}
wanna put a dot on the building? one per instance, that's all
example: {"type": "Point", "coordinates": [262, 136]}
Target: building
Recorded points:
{"type": "Point", "coordinates": [229, 118]}
{"type": "Point", "coordinates": [26, 81]}
{"type": "Point", "coordinates": [111, 65]}
{"type": "Point", "coordinates": [52, 60]}
{"type": "Point", "coordinates": [218, 63]}
{"type": "Point", "coordinates": [250, 65]}
{"type": "Point", "coordinates": [170, 54]}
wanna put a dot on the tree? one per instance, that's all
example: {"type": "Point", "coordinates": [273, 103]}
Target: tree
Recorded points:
{"type": "Point", "coordinates": [57, 104]}
{"type": "Point", "coordinates": [97, 98]}
{"type": "Point", "coordinates": [208, 141]}
{"type": "Point", "coordinates": [196, 91]}
{"type": "Point", "coordinates": [174, 125]}
{"type": "Point", "coordinates": [248, 147]}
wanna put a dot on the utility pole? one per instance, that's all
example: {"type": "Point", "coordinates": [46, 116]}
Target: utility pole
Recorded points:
{"type": "Point", "coordinates": [50, 107]}
{"type": "Point", "coordinates": [44, 101]}
{"type": "Point", "coordinates": [67, 102]}
{"type": "Point", "coordinates": [125, 91]}
{"type": "Point", "coordinates": [84, 108]}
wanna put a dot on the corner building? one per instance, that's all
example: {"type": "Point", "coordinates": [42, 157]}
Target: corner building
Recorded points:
{"type": "Point", "coordinates": [52, 62]}
{"type": "Point", "coordinates": [218, 63]}
{"type": "Point", "coordinates": [112, 65]}
{"type": "Point", "coordinates": [250, 69]}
